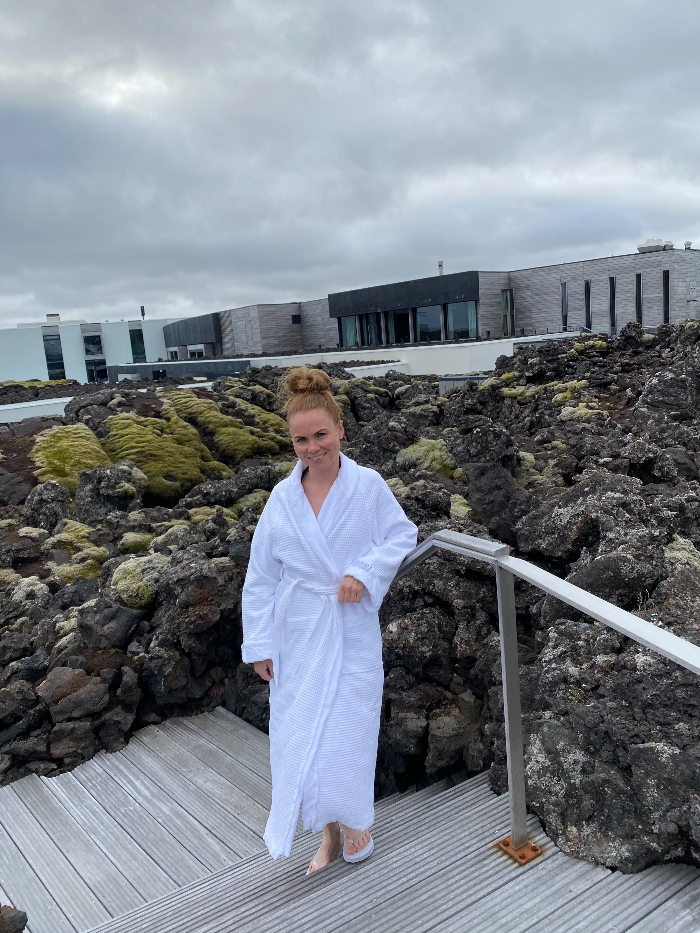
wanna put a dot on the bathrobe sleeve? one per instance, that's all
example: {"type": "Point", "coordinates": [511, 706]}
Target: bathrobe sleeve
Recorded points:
{"type": "Point", "coordinates": [258, 603]}
{"type": "Point", "coordinates": [394, 536]}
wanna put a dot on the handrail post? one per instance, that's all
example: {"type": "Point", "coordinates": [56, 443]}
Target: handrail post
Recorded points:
{"type": "Point", "coordinates": [513, 716]}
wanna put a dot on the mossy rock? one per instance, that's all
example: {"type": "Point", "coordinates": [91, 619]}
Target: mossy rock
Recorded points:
{"type": "Point", "coordinates": [136, 580]}
{"type": "Point", "coordinates": [507, 378]}
{"type": "Point", "coordinates": [34, 534]}
{"type": "Point", "coordinates": [284, 468]}
{"type": "Point", "coordinates": [267, 419]}
{"type": "Point", "coordinates": [397, 486]}
{"type": "Point", "coordinates": [205, 512]}
{"type": "Point", "coordinates": [426, 454]}
{"type": "Point", "coordinates": [583, 412]}
{"type": "Point", "coordinates": [234, 439]}
{"type": "Point", "coordinates": [459, 507]}
{"type": "Point", "coordinates": [168, 450]}
{"type": "Point", "coordinates": [135, 541]}
{"type": "Point", "coordinates": [86, 563]}
{"type": "Point", "coordinates": [61, 454]}
{"type": "Point", "coordinates": [255, 501]}
{"type": "Point", "coordinates": [8, 576]}
{"type": "Point", "coordinates": [70, 536]}
{"type": "Point", "coordinates": [35, 383]}
{"type": "Point", "coordinates": [522, 394]}
{"type": "Point", "coordinates": [488, 385]}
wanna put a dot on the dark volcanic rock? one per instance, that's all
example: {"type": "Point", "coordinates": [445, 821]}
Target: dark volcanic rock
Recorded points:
{"type": "Point", "coordinates": [108, 489]}
{"type": "Point", "coordinates": [11, 920]}
{"type": "Point", "coordinates": [47, 505]}
{"type": "Point", "coordinates": [498, 501]}
{"type": "Point", "coordinates": [13, 489]}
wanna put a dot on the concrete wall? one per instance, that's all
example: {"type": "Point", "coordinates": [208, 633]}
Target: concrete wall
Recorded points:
{"type": "Point", "coordinates": [153, 340]}
{"type": "Point", "coordinates": [438, 359]}
{"type": "Point", "coordinates": [277, 333]}
{"type": "Point", "coordinates": [318, 328]}
{"type": "Point", "coordinates": [22, 354]}
{"type": "Point", "coordinates": [48, 408]}
{"type": "Point", "coordinates": [116, 343]}
{"type": "Point", "coordinates": [240, 331]}
{"type": "Point", "coordinates": [73, 351]}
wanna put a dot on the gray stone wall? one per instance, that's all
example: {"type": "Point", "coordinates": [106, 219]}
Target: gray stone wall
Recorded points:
{"type": "Point", "coordinates": [277, 333]}
{"type": "Point", "coordinates": [489, 315]}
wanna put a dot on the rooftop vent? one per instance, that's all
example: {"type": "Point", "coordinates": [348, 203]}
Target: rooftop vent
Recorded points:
{"type": "Point", "coordinates": [439, 266]}
{"type": "Point", "coordinates": [688, 244]}
{"type": "Point", "coordinates": [652, 246]}
{"type": "Point", "coordinates": [53, 318]}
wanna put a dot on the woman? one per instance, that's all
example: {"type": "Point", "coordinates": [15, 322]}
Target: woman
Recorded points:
{"type": "Point", "coordinates": [324, 553]}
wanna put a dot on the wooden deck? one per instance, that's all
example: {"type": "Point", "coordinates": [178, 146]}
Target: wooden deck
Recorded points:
{"type": "Point", "coordinates": [166, 837]}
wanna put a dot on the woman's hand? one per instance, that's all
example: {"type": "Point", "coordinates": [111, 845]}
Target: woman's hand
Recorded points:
{"type": "Point", "coordinates": [264, 669]}
{"type": "Point", "coordinates": [350, 591]}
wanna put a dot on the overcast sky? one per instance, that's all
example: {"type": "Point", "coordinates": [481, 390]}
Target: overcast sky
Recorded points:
{"type": "Point", "coordinates": [194, 155]}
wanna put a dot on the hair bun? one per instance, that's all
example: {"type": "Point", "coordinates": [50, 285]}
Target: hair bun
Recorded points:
{"type": "Point", "coordinates": [303, 380]}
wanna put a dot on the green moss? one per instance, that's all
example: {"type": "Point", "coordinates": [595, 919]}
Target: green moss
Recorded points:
{"type": "Point", "coordinates": [459, 507]}
{"type": "Point", "coordinates": [583, 411]}
{"type": "Point", "coordinates": [488, 385]}
{"type": "Point", "coordinates": [397, 486]}
{"type": "Point", "coordinates": [36, 383]}
{"type": "Point", "coordinates": [428, 454]}
{"type": "Point", "coordinates": [255, 501]}
{"type": "Point", "coordinates": [69, 573]}
{"type": "Point", "coordinates": [459, 475]}
{"type": "Point", "coordinates": [134, 541]}
{"type": "Point", "coordinates": [6, 522]}
{"type": "Point", "coordinates": [284, 468]}
{"type": "Point", "coordinates": [8, 576]}
{"type": "Point", "coordinates": [233, 438]}
{"type": "Point", "coordinates": [34, 534]}
{"type": "Point", "coordinates": [70, 536]}
{"type": "Point", "coordinates": [62, 452]}
{"type": "Point", "coordinates": [523, 394]}
{"type": "Point", "coordinates": [168, 450]}
{"type": "Point", "coordinates": [267, 419]}
{"type": "Point", "coordinates": [205, 512]}
{"type": "Point", "coordinates": [136, 580]}
{"type": "Point", "coordinates": [561, 398]}
{"type": "Point", "coordinates": [600, 345]}
{"type": "Point", "coordinates": [342, 400]}
{"type": "Point", "coordinates": [507, 378]}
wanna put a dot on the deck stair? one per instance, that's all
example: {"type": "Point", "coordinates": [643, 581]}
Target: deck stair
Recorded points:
{"type": "Point", "coordinates": [166, 837]}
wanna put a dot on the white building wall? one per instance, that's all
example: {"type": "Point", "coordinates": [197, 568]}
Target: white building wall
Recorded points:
{"type": "Point", "coordinates": [22, 354]}
{"type": "Point", "coordinates": [153, 340]}
{"type": "Point", "coordinates": [73, 351]}
{"type": "Point", "coordinates": [116, 343]}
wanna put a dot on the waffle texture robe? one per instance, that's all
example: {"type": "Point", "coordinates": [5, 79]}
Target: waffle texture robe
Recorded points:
{"type": "Point", "coordinates": [325, 699]}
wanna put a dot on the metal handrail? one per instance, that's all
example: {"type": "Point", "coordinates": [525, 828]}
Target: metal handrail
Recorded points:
{"type": "Point", "coordinates": [498, 556]}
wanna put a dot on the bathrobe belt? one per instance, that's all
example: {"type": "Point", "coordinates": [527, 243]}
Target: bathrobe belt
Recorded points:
{"type": "Point", "coordinates": [328, 594]}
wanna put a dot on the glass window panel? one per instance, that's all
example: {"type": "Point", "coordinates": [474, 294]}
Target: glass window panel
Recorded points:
{"type": "Point", "coordinates": [429, 327]}
{"type": "Point", "coordinates": [461, 320]}
{"type": "Point", "coordinates": [138, 349]}
{"type": "Point", "coordinates": [93, 345]}
{"type": "Point", "coordinates": [370, 330]}
{"type": "Point", "coordinates": [398, 326]}
{"type": "Point", "coordinates": [564, 306]}
{"type": "Point", "coordinates": [348, 331]}
{"type": "Point", "coordinates": [54, 356]}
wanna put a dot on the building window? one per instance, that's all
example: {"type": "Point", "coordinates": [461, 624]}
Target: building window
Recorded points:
{"type": "Point", "coordinates": [196, 354]}
{"type": "Point", "coordinates": [667, 295]}
{"type": "Point", "coordinates": [54, 356]}
{"type": "Point", "coordinates": [429, 323]}
{"type": "Point", "coordinates": [138, 349]}
{"type": "Point", "coordinates": [507, 312]}
{"type": "Point", "coordinates": [347, 331]}
{"type": "Point", "coordinates": [587, 304]}
{"type": "Point", "coordinates": [638, 297]}
{"type": "Point", "coordinates": [564, 306]}
{"type": "Point", "coordinates": [398, 325]}
{"type": "Point", "coordinates": [296, 319]}
{"type": "Point", "coordinates": [172, 354]}
{"type": "Point", "coordinates": [461, 320]}
{"type": "Point", "coordinates": [613, 308]}
{"type": "Point", "coordinates": [96, 370]}
{"type": "Point", "coordinates": [93, 345]}
{"type": "Point", "coordinates": [370, 329]}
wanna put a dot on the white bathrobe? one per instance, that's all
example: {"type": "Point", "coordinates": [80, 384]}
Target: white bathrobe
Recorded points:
{"type": "Point", "coordinates": [325, 699]}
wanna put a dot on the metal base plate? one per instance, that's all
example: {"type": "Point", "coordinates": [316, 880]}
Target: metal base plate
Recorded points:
{"type": "Point", "coordinates": [523, 855]}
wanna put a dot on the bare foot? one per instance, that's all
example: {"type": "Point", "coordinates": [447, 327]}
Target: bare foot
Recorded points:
{"type": "Point", "coordinates": [355, 840]}
{"type": "Point", "coordinates": [328, 850]}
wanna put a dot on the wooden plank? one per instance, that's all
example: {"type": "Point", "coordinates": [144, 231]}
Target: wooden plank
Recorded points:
{"type": "Point", "coordinates": [678, 915]}
{"type": "Point", "coordinates": [142, 872]}
{"type": "Point", "coordinates": [233, 745]}
{"type": "Point", "coordinates": [116, 894]}
{"type": "Point", "coordinates": [164, 849]}
{"type": "Point", "coordinates": [214, 802]}
{"type": "Point", "coordinates": [240, 781]}
{"type": "Point", "coordinates": [256, 739]}
{"type": "Point", "coordinates": [211, 849]}
{"type": "Point", "coordinates": [61, 880]}
{"type": "Point", "coordinates": [23, 890]}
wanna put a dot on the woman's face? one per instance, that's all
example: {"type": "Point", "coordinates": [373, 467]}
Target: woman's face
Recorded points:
{"type": "Point", "coordinates": [316, 438]}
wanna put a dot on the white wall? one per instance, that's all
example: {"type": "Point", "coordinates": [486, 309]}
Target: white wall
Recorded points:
{"type": "Point", "coordinates": [437, 359]}
{"type": "Point", "coordinates": [49, 408]}
{"type": "Point", "coordinates": [73, 351]}
{"type": "Point", "coordinates": [116, 343]}
{"type": "Point", "coordinates": [153, 340]}
{"type": "Point", "coordinates": [22, 354]}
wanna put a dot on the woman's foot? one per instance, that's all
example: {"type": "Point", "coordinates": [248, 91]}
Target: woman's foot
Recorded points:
{"type": "Point", "coordinates": [329, 850]}
{"type": "Point", "coordinates": [358, 844]}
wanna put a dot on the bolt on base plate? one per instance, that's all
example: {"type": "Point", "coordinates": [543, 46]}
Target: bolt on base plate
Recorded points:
{"type": "Point", "coordinates": [523, 855]}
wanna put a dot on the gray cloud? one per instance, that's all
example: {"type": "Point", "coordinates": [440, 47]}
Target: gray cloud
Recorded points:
{"type": "Point", "coordinates": [202, 154]}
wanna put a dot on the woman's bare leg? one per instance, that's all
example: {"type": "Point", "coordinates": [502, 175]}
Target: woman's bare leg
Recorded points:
{"type": "Point", "coordinates": [329, 848]}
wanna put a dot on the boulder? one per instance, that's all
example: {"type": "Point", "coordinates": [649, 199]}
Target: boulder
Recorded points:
{"type": "Point", "coordinates": [14, 489]}
{"type": "Point", "coordinates": [47, 505]}
{"type": "Point", "coordinates": [108, 489]}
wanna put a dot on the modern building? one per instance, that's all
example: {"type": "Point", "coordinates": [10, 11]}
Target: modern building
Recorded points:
{"type": "Point", "coordinates": [656, 285]}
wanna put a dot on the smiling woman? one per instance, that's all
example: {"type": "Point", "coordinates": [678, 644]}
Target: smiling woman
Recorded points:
{"type": "Point", "coordinates": [326, 548]}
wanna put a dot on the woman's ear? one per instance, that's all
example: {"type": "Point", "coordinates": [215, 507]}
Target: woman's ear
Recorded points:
{"type": "Point", "coordinates": [341, 430]}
